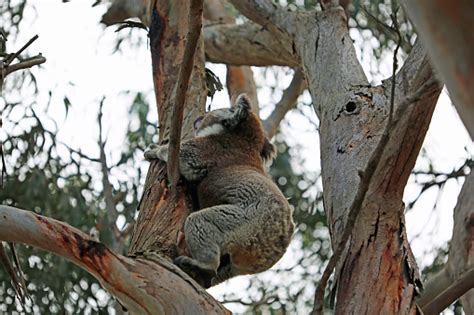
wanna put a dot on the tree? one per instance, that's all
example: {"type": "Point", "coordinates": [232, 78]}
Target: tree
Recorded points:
{"type": "Point", "coordinates": [364, 166]}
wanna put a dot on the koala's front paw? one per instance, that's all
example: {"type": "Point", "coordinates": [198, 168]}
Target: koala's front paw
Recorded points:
{"type": "Point", "coordinates": [190, 266]}
{"type": "Point", "coordinates": [150, 152]}
{"type": "Point", "coordinates": [156, 152]}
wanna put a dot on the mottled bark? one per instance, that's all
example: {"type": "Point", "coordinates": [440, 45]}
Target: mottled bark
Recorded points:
{"type": "Point", "coordinates": [142, 285]}
{"type": "Point", "coordinates": [446, 29]}
{"type": "Point", "coordinates": [246, 44]}
{"type": "Point", "coordinates": [161, 213]}
{"type": "Point", "coordinates": [377, 274]}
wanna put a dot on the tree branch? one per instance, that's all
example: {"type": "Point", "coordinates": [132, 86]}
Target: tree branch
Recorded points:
{"type": "Point", "coordinates": [239, 78]}
{"type": "Point", "coordinates": [286, 103]}
{"type": "Point", "coordinates": [110, 205]}
{"type": "Point", "coordinates": [278, 20]}
{"type": "Point", "coordinates": [246, 44]}
{"type": "Point", "coordinates": [141, 285]}
{"type": "Point", "coordinates": [448, 295]}
{"type": "Point", "coordinates": [195, 24]}
{"type": "Point", "coordinates": [25, 64]}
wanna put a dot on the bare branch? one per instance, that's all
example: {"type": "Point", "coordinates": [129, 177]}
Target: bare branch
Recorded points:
{"type": "Point", "coordinates": [247, 44]}
{"type": "Point", "coordinates": [286, 103]}
{"type": "Point", "coordinates": [464, 283]}
{"type": "Point", "coordinates": [13, 56]}
{"type": "Point", "coordinates": [16, 275]}
{"type": "Point", "coordinates": [141, 284]}
{"type": "Point", "coordinates": [25, 64]}
{"type": "Point", "coordinates": [195, 24]}
{"type": "Point", "coordinates": [278, 20]}
{"type": "Point", "coordinates": [110, 205]}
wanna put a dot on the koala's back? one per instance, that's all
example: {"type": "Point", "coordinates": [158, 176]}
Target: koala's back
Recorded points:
{"type": "Point", "coordinates": [266, 224]}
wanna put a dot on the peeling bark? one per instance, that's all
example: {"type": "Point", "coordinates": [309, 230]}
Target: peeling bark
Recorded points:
{"type": "Point", "coordinates": [161, 213]}
{"type": "Point", "coordinates": [376, 274]}
{"type": "Point", "coordinates": [141, 285]}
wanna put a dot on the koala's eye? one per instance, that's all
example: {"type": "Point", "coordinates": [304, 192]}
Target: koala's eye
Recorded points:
{"type": "Point", "coordinates": [197, 122]}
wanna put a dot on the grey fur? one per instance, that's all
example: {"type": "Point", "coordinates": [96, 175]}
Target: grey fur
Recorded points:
{"type": "Point", "coordinates": [244, 215]}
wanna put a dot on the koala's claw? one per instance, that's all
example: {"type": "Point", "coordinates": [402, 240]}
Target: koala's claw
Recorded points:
{"type": "Point", "coordinates": [202, 276]}
{"type": "Point", "coordinates": [150, 155]}
{"type": "Point", "coordinates": [151, 152]}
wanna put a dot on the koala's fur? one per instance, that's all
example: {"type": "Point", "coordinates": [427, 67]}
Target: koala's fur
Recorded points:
{"type": "Point", "coordinates": [245, 223]}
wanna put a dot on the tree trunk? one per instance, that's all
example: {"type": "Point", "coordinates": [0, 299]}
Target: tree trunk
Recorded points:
{"type": "Point", "coordinates": [446, 29]}
{"type": "Point", "coordinates": [377, 273]}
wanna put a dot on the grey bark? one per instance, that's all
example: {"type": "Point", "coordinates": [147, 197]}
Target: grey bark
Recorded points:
{"type": "Point", "coordinates": [353, 116]}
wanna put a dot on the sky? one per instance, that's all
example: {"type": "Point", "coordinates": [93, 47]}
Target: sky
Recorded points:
{"type": "Point", "coordinates": [81, 64]}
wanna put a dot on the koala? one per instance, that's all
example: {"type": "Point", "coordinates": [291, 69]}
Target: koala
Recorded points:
{"type": "Point", "coordinates": [245, 223]}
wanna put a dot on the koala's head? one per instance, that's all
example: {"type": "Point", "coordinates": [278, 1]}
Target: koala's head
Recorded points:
{"type": "Point", "coordinates": [225, 119]}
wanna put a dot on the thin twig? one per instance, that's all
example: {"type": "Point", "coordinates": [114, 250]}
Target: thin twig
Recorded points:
{"type": "Point", "coordinates": [107, 187]}
{"type": "Point", "coordinates": [27, 63]}
{"type": "Point", "coordinates": [195, 24]}
{"type": "Point", "coordinates": [12, 57]}
{"type": "Point", "coordinates": [17, 283]}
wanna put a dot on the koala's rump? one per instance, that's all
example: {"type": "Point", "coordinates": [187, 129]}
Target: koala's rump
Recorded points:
{"type": "Point", "coordinates": [265, 225]}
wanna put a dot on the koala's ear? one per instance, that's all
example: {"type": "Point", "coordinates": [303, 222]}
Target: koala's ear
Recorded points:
{"type": "Point", "coordinates": [242, 102]}
{"type": "Point", "coordinates": [241, 110]}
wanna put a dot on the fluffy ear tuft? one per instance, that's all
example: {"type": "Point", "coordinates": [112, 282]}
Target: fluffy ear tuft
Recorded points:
{"type": "Point", "coordinates": [268, 152]}
{"type": "Point", "coordinates": [242, 101]}
{"type": "Point", "coordinates": [240, 112]}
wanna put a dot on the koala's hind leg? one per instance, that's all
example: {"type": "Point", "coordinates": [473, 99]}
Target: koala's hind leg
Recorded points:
{"type": "Point", "coordinates": [207, 231]}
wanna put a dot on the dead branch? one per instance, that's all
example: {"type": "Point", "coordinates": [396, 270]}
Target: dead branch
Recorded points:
{"type": "Point", "coordinates": [195, 24]}
{"type": "Point", "coordinates": [25, 64]}
{"type": "Point", "coordinates": [13, 56]}
{"type": "Point", "coordinates": [286, 103]}
{"type": "Point", "coordinates": [110, 206]}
